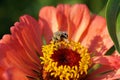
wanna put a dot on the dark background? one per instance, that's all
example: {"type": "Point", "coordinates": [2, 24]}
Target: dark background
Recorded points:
{"type": "Point", "coordinates": [11, 10]}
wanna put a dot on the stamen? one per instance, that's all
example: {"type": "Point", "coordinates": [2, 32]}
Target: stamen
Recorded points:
{"type": "Point", "coordinates": [65, 60]}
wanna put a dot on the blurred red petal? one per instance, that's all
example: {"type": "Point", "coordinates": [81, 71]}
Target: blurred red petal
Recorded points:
{"type": "Point", "coordinates": [80, 17]}
{"type": "Point", "coordinates": [96, 37]}
{"type": "Point", "coordinates": [30, 31]}
{"type": "Point", "coordinates": [113, 75]}
{"type": "Point", "coordinates": [110, 61]}
{"type": "Point", "coordinates": [13, 74]}
{"type": "Point", "coordinates": [21, 49]}
{"type": "Point", "coordinates": [17, 56]}
{"type": "Point", "coordinates": [48, 16]}
{"type": "Point", "coordinates": [62, 13]}
{"type": "Point", "coordinates": [94, 75]}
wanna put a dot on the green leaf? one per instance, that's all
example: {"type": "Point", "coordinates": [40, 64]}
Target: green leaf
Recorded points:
{"type": "Point", "coordinates": [118, 27]}
{"type": "Point", "coordinates": [110, 51]}
{"type": "Point", "coordinates": [113, 21]}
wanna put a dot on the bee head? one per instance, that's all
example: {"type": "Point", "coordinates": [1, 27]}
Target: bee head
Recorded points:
{"type": "Point", "coordinates": [59, 36]}
{"type": "Point", "coordinates": [64, 35]}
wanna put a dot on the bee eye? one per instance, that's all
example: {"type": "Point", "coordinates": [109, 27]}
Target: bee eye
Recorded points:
{"type": "Point", "coordinates": [65, 35]}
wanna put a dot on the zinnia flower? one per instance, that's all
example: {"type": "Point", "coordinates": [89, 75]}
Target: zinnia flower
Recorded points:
{"type": "Point", "coordinates": [33, 52]}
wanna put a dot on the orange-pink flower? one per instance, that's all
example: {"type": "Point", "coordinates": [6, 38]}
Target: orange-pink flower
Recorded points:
{"type": "Point", "coordinates": [25, 56]}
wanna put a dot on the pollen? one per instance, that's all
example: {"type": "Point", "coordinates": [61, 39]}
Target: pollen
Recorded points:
{"type": "Point", "coordinates": [65, 60]}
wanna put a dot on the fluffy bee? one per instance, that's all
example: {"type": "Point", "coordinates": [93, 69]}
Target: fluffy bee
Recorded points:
{"type": "Point", "coordinates": [60, 36]}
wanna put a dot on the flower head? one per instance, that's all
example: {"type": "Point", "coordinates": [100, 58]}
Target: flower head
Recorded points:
{"type": "Point", "coordinates": [65, 60]}
{"type": "Point", "coordinates": [33, 52]}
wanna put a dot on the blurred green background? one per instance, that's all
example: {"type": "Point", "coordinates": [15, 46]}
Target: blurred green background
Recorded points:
{"type": "Point", "coordinates": [11, 10]}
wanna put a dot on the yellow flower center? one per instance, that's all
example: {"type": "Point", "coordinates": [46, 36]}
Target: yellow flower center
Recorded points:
{"type": "Point", "coordinates": [65, 60]}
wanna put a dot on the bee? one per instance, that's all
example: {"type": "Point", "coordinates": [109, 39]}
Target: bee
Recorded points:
{"type": "Point", "coordinates": [60, 36]}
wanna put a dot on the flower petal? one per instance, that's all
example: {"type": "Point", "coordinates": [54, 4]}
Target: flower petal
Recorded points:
{"type": "Point", "coordinates": [48, 16]}
{"type": "Point", "coordinates": [16, 56]}
{"type": "Point", "coordinates": [109, 70]}
{"type": "Point", "coordinates": [111, 61]}
{"type": "Point", "coordinates": [101, 74]}
{"type": "Point", "coordinates": [62, 13]}
{"type": "Point", "coordinates": [6, 71]}
{"type": "Point", "coordinates": [73, 20]}
{"type": "Point", "coordinates": [80, 17]}
{"type": "Point", "coordinates": [96, 37]}
{"type": "Point", "coordinates": [13, 74]}
{"type": "Point", "coordinates": [95, 75]}
{"type": "Point", "coordinates": [31, 31]}
{"type": "Point", "coordinates": [1, 73]}
{"type": "Point", "coordinates": [22, 48]}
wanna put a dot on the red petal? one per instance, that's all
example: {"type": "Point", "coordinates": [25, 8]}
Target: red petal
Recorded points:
{"type": "Point", "coordinates": [73, 20]}
{"type": "Point", "coordinates": [111, 61]}
{"type": "Point", "coordinates": [16, 55]}
{"type": "Point", "coordinates": [96, 37]}
{"type": "Point", "coordinates": [80, 18]}
{"type": "Point", "coordinates": [22, 48]}
{"type": "Point", "coordinates": [62, 14]}
{"type": "Point", "coordinates": [113, 75]}
{"type": "Point", "coordinates": [95, 75]}
{"type": "Point", "coordinates": [13, 74]}
{"type": "Point", "coordinates": [1, 73]}
{"type": "Point", "coordinates": [31, 32]}
{"type": "Point", "coordinates": [48, 16]}
{"type": "Point", "coordinates": [6, 72]}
